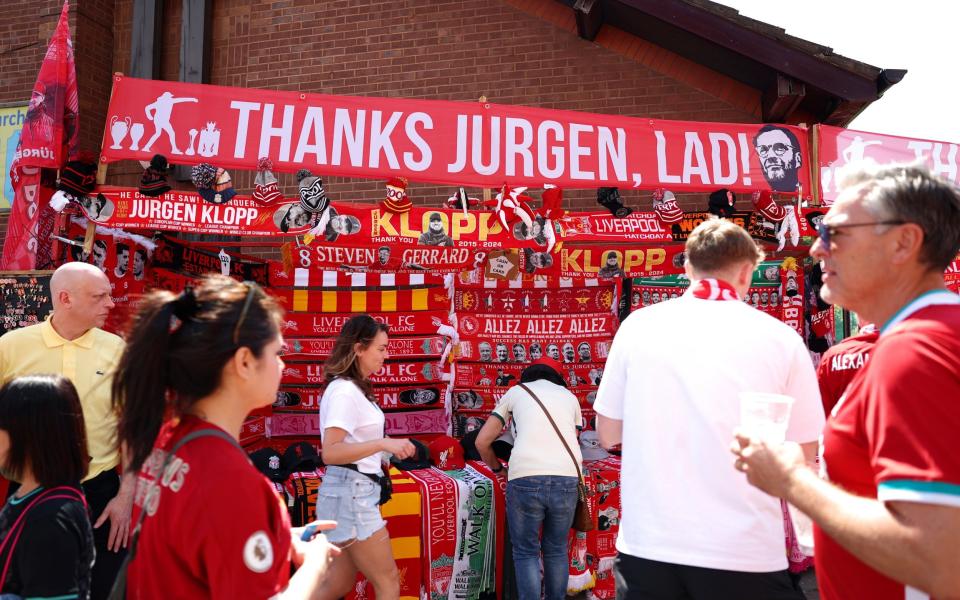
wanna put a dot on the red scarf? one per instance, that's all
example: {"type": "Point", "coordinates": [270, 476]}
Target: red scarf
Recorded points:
{"type": "Point", "coordinates": [713, 289]}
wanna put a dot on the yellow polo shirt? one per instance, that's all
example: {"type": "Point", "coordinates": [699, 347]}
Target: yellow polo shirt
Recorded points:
{"type": "Point", "coordinates": [88, 361]}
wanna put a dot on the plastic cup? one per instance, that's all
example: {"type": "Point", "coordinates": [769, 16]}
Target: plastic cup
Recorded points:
{"type": "Point", "coordinates": [765, 416]}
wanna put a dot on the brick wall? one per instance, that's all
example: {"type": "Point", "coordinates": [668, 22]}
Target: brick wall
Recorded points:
{"type": "Point", "coordinates": [512, 51]}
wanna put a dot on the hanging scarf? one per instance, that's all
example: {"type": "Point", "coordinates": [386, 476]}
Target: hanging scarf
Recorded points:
{"type": "Point", "coordinates": [713, 289]}
{"type": "Point", "coordinates": [296, 398]}
{"type": "Point", "coordinates": [299, 349]}
{"type": "Point", "coordinates": [472, 567]}
{"type": "Point", "coordinates": [362, 301]}
{"type": "Point", "coordinates": [319, 277]}
{"type": "Point", "coordinates": [417, 422]}
{"type": "Point", "coordinates": [438, 493]}
{"type": "Point", "coordinates": [392, 373]}
{"type": "Point", "coordinates": [329, 325]}
{"type": "Point", "coordinates": [500, 517]}
{"type": "Point", "coordinates": [535, 301]}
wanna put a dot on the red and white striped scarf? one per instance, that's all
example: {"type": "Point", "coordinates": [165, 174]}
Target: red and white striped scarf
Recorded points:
{"type": "Point", "coordinates": [713, 289]}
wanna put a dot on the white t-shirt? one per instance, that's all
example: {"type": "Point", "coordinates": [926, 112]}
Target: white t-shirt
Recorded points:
{"type": "Point", "coordinates": [343, 405]}
{"type": "Point", "coordinates": [537, 450]}
{"type": "Point", "coordinates": [673, 376]}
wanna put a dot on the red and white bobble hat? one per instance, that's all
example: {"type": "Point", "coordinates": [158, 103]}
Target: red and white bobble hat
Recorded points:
{"type": "Point", "coordinates": [396, 200]}
{"type": "Point", "coordinates": [266, 190]}
{"type": "Point", "coordinates": [763, 202]}
{"type": "Point", "coordinates": [666, 207]}
{"type": "Point", "coordinates": [446, 453]}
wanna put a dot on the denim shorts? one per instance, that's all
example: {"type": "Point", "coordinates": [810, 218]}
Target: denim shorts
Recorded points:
{"type": "Point", "coordinates": [350, 499]}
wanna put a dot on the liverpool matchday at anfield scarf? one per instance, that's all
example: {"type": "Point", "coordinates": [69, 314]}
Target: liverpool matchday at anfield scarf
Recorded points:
{"type": "Point", "coordinates": [302, 398]}
{"type": "Point", "coordinates": [329, 325]}
{"type": "Point", "coordinates": [362, 301]}
{"type": "Point", "coordinates": [438, 494]}
{"type": "Point", "coordinates": [302, 349]}
{"type": "Point", "coordinates": [392, 373]}
{"type": "Point", "coordinates": [535, 301]}
{"type": "Point", "coordinates": [601, 226]}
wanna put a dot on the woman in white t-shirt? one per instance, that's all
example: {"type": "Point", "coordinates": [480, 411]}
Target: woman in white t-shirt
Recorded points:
{"type": "Point", "coordinates": [542, 481]}
{"type": "Point", "coordinates": [354, 449]}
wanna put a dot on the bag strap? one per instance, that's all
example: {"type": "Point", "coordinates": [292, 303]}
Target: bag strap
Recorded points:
{"type": "Point", "coordinates": [555, 428]}
{"type": "Point", "coordinates": [57, 493]}
{"type": "Point", "coordinates": [119, 590]}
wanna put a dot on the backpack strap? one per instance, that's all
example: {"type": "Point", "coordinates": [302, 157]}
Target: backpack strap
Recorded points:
{"type": "Point", "coordinates": [62, 492]}
{"type": "Point", "coordinates": [119, 590]}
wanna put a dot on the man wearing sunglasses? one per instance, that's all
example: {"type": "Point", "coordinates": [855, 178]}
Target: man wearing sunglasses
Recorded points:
{"type": "Point", "coordinates": [887, 510]}
{"type": "Point", "coordinates": [779, 153]}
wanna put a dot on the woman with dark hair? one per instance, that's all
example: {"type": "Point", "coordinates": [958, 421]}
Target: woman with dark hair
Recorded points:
{"type": "Point", "coordinates": [354, 448]}
{"type": "Point", "coordinates": [47, 543]}
{"type": "Point", "coordinates": [542, 480]}
{"type": "Point", "coordinates": [208, 525]}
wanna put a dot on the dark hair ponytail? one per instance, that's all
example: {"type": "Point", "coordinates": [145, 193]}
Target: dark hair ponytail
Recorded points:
{"type": "Point", "coordinates": [176, 351]}
{"type": "Point", "coordinates": [361, 329]}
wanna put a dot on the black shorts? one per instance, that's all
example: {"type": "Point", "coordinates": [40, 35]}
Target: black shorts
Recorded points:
{"type": "Point", "coordinates": [642, 579]}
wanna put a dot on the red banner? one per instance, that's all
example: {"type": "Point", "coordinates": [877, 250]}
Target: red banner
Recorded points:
{"type": "Point", "coordinates": [471, 143]}
{"type": "Point", "coordinates": [398, 347]}
{"type": "Point", "coordinates": [507, 374]}
{"type": "Point", "coordinates": [329, 325]}
{"type": "Point", "coordinates": [839, 147]}
{"type": "Point", "coordinates": [48, 137]}
{"type": "Point", "coordinates": [535, 301]}
{"type": "Point", "coordinates": [293, 398]}
{"type": "Point", "coordinates": [361, 301]}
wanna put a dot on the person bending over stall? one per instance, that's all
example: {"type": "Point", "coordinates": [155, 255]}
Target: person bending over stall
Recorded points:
{"type": "Point", "coordinates": [208, 525]}
{"type": "Point", "coordinates": [47, 543]}
{"type": "Point", "coordinates": [355, 448]}
{"type": "Point", "coordinates": [542, 480]}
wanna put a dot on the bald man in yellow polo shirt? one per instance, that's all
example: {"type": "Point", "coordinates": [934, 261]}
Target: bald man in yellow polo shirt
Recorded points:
{"type": "Point", "coordinates": [72, 344]}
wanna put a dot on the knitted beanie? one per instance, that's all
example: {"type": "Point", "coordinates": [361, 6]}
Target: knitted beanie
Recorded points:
{"type": "Point", "coordinates": [313, 198]}
{"type": "Point", "coordinates": [666, 207]}
{"type": "Point", "coordinates": [266, 188]}
{"type": "Point", "coordinates": [154, 179]}
{"type": "Point", "coordinates": [396, 200]}
{"type": "Point", "coordinates": [203, 176]}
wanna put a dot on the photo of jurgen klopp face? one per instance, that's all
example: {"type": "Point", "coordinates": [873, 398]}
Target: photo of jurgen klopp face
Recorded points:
{"type": "Point", "coordinates": [779, 152]}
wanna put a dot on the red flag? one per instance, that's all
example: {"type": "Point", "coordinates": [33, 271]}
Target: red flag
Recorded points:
{"type": "Point", "coordinates": [48, 136]}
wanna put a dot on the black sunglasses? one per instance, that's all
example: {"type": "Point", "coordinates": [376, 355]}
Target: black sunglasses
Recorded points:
{"type": "Point", "coordinates": [825, 231]}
